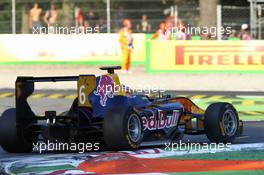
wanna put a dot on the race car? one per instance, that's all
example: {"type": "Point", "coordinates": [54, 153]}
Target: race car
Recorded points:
{"type": "Point", "coordinates": [106, 112]}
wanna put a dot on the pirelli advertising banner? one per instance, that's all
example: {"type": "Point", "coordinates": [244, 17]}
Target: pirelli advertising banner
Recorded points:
{"type": "Point", "coordinates": [206, 56]}
{"type": "Point", "coordinates": [81, 48]}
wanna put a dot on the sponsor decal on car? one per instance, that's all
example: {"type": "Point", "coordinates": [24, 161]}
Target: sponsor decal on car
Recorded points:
{"type": "Point", "coordinates": [105, 89]}
{"type": "Point", "coordinates": [162, 120]}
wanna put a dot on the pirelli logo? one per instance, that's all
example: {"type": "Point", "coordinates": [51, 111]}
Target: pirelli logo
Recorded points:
{"type": "Point", "coordinates": [220, 55]}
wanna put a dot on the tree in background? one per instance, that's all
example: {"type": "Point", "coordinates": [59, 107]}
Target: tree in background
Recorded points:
{"type": "Point", "coordinates": [67, 13]}
{"type": "Point", "coordinates": [208, 12]}
{"type": "Point", "coordinates": [5, 16]}
{"type": "Point", "coordinates": [24, 10]}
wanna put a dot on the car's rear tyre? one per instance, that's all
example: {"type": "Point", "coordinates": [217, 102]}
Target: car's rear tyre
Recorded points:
{"type": "Point", "coordinates": [12, 138]}
{"type": "Point", "coordinates": [221, 123]}
{"type": "Point", "coordinates": [122, 129]}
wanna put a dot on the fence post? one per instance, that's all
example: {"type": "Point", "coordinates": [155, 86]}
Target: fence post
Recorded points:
{"type": "Point", "coordinates": [253, 17]}
{"type": "Point", "coordinates": [176, 15]}
{"type": "Point", "coordinates": [219, 21]}
{"type": "Point", "coordinates": [108, 16]}
{"type": "Point", "coordinates": [14, 16]}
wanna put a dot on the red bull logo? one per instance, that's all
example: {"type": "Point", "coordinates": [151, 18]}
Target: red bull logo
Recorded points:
{"type": "Point", "coordinates": [105, 89]}
{"type": "Point", "coordinates": [162, 121]}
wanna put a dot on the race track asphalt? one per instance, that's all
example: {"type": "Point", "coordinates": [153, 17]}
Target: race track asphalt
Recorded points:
{"type": "Point", "coordinates": [253, 133]}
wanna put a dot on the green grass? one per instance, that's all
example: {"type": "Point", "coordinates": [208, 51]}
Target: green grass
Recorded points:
{"type": "Point", "coordinates": [237, 102]}
{"type": "Point", "coordinates": [36, 169]}
{"type": "Point", "coordinates": [236, 155]}
{"type": "Point", "coordinates": [244, 172]}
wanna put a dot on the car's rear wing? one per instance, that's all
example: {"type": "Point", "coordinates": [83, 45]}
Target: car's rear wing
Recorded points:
{"type": "Point", "coordinates": [47, 79]}
{"type": "Point", "coordinates": [24, 87]}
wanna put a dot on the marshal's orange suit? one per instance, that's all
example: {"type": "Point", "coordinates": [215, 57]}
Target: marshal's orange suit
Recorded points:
{"type": "Point", "coordinates": [126, 41]}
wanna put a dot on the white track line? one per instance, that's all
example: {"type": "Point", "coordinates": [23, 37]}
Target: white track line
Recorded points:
{"type": "Point", "coordinates": [230, 148]}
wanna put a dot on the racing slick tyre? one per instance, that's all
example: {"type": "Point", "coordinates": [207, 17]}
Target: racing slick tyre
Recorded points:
{"type": "Point", "coordinates": [12, 139]}
{"type": "Point", "coordinates": [221, 123]}
{"type": "Point", "coordinates": [122, 129]}
{"type": "Point", "coordinates": [241, 128]}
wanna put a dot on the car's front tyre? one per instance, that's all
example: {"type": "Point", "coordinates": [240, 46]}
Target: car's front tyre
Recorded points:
{"type": "Point", "coordinates": [221, 123]}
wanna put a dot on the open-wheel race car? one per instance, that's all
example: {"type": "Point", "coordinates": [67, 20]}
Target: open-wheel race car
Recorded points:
{"type": "Point", "coordinates": [111, 115]}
